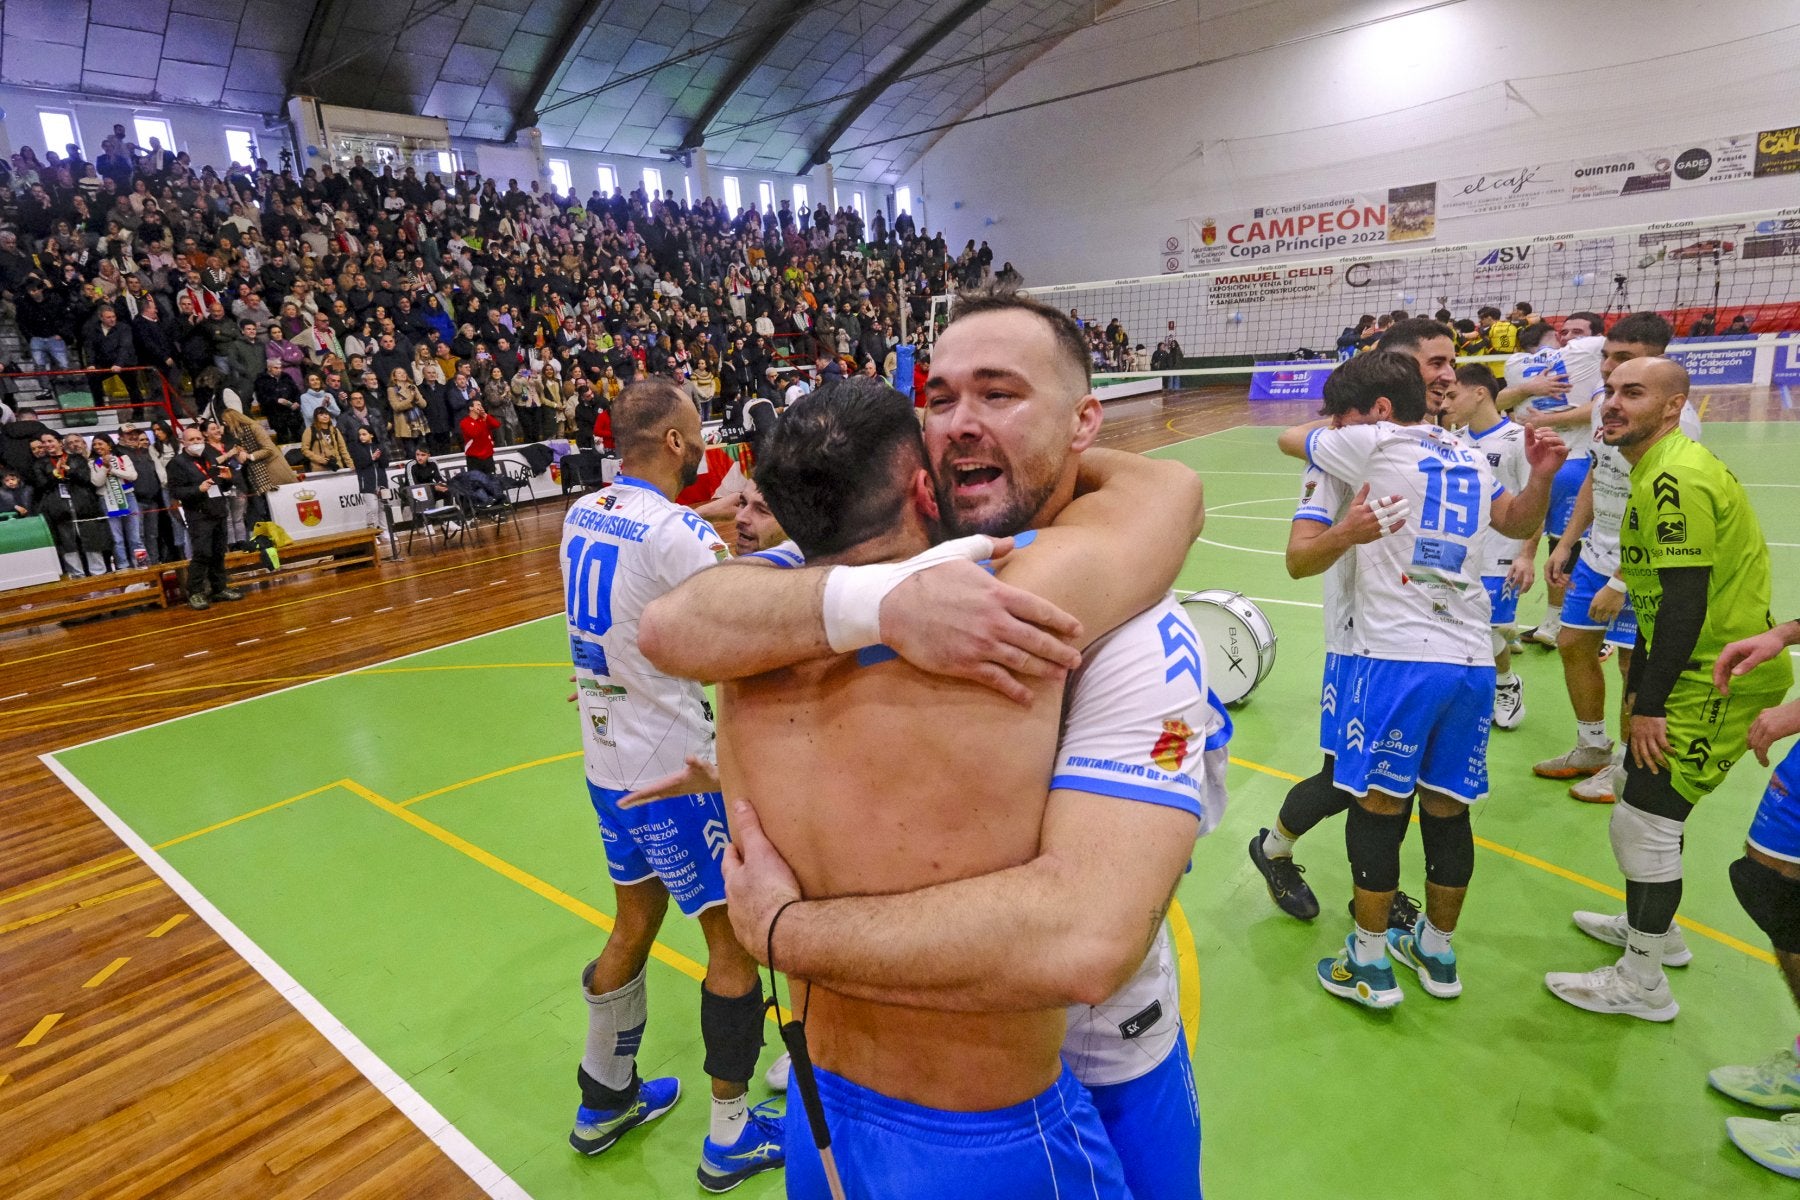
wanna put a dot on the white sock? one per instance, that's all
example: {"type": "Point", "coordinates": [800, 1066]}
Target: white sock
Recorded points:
{"type": "Point", "coordinates": [1644, 955]}
{"type": "Point", "coordinates": [615, 1027]}
{"type": "Point", "coordinates": [728, 1118]}
{"type": "Point", "coordinates": [1433, 940]}
{"type": "Point", "coordinates": [1369, 947]}
{"type": "Point", "coordinates": [1552, 624]}
{"type": "Point", "coordinates": [1276, 844]}
{"type": "Point", "coordinates": [1506, 680]}
{"type": "Point", "coordinates": [1591, 733]}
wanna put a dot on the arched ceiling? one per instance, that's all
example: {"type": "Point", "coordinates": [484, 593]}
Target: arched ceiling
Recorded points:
{"type": "Point", "coordinates": [774, 85]}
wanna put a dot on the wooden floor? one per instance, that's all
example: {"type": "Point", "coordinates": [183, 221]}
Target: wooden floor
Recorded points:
{"type": "Point", "coordinates": [179, 1071]}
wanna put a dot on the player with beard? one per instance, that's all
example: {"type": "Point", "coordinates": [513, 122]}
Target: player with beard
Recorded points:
{"type": "Point", "coordinates": [1006, 374]}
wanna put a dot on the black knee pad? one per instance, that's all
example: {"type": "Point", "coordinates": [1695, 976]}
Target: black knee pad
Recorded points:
{"type": "Point", "coordinates": [1373, 842]}
{"type": "Point", "coordinates": [1449, 848]}
{"type": "Point", "coordinates": [1772, 900]}
{"type": "Point", "coordinates": [731, 1028]}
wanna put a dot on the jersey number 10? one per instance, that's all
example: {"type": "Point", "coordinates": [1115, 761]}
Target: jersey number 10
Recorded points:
{"type": "Point", "coordinates": [1452, 499]}
{"type": "Point", "coordinates": [587, 583]}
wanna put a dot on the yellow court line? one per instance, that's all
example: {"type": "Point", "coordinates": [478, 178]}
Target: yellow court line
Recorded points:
{"type": "Point", "coordinates": [167, 925]}
{"type": "Point", "coordinates": [1704, 401]}
{"type": "Point", "coordinates": [90, 902]}
{"type": "Point", "coordinates": [69, 876]}
{"type": "Point", "coordinates": [524, 766]}
{"type": "Point", "coordinates": [39, 1030]}
{"type": "Point", "coordinates": [106, 972]}
{"type": "Point", "coordinates": [229, 821]}
{"type": "Point", "coordinates": [1187, 970]}
{"type": "Point", "coordinates": [1723, 938]}
{"type": "Point", "coordinates": [278, 605]}
{"type": "Point", "coordinates": [122, 697]}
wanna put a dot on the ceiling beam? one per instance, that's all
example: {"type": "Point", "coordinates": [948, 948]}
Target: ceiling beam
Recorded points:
{"type": "Point", "coordinates": [327, 16]}
{"type": "Point", "coordinates": [871, 91]}
{"type": "Point", "coordinates": [567, 42]}
{"type": "Point", "coordinates": [740, 73]}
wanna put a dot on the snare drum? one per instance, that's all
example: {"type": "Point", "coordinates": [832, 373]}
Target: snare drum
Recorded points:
{"type": "Point", "coordinates": [1238, 640]}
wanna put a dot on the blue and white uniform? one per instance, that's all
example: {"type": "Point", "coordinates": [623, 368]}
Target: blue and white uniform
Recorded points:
{"type": "Point", "coordinates": [1599, 557]}
{"type": "Point", "coordinates": [1504, 447]}
{"type": "Point", "coordinates": [623, 547]}
{"type": "Point", "coordinates": [1579, 364]}
{"type": "Point", "coordinates": [1325, 499]}
{"type": "Point", "coordinates": [1775, 830]}
{"type": "Point", "coordinates": [1423, 696]}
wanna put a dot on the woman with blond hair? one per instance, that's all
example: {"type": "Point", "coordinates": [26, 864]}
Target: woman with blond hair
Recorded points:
{"type": "Point", "coordinates": [407, 405]}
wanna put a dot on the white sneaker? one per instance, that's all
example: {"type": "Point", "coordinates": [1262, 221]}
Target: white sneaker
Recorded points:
{"type": "Point", "coordinates": [1509, 704]}
{"type": "Point", "coordinates": [1602, 787]}
{"type": "Point", "coordinates": [1612, 990]}
{"type": "Point", "coordinates": [1543, 635]}
{"type": "Point", "coordinates": [1611, 929]}
{"type": "Point", "coordinates": [1606, 651]}
{"type": "Point", "coordinates": [779, 1070]}
{"type": "Point", "coordinates": [1577, 763]}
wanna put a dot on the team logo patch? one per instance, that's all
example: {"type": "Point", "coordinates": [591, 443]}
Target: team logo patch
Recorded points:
{"type": "Point", "coordinates": [1140, 1024]}
{"type": "Point", "coordinates": [1312, 485]}
{"type": "Point", "coordinates": [306, 504]}
{"type": "Point", "coordinates": [1666, 490]}
{"type": "Point", "coordinates": [1671, 530]}
{"type": "Point", "coordinates": [1172, 747]}
{"type": "Point", "coordinates": [1699, 750]}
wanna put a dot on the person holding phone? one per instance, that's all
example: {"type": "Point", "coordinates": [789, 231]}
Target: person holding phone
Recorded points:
{"type": "Point", "coordinates": [200, 479]}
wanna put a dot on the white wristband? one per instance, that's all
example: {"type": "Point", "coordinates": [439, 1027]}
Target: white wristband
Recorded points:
{"type": "Point", "coordinates": [853, 595]}
{"type": "Point", "coordinates": [1618, 585]}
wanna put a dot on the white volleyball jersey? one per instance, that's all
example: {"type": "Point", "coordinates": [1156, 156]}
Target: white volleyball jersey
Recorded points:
{"type": "Point", "coordinates": [1419, 596]}
{"type": "Point", "coordinates": [1130, 1033]}
{"type": "Point", "coordinates": [623, 547]}
{"type": "Point", "coordinates": [1610, 477]}
{"type": "Point", "coordinates": [1504, 448]}
{"type": "Point", "coordinates": [1325, 498]}
{"type": "Point", "coordinates": [1578, 363]}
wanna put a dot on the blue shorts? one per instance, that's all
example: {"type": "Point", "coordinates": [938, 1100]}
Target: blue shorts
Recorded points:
{"type": "Point", "coordinates": [1584, 584]}
{"type": "Point", "coordinates": [1775, 830]}
{"type": "Point", "coordinates": [1416, 724]}
{"type": "Point", "coordinates": [680, 841]}
{"type": "Point", "coordinates": [1334, 694]}
{"type": "Point", "coordinates": [1563, 490]}
{"type": "Point", "coordinates": [1153, 1122]}
{"type": "Point", "coordinates": [1501, 599]}
{"type": "Point", "coordinates": [1050, 1146]}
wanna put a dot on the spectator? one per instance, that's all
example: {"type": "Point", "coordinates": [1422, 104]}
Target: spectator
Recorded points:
{"type": "Point", "coordinates": [314, 398]}
{"type": "Point", "coordinates": [117, 478]}
{"type": "Point", "coordinates": [407, 404]}
{"type": "Point", "coordinates": [1705, 325]}
{"type": "Point", "coordinates": [370, 463]}
{"type": "Point", "coordinates": [67, 486]}
{"type": "Point", "coordinates": [149, 487]}
{"type": "Point", "coordinates": [113, 354]}
{"type": "Point", "coordinates": [478, 438]}
{"type": "Point", "coordinates": [233, 456]}
{"type": "Point", "coordinates": [264, 467]}
{"type": "Point", "coordinates": [279, 401]}
{"type": "Point", "coordinates": [323, 443]}
{"type": "Point", "coordinates": [200, 482]}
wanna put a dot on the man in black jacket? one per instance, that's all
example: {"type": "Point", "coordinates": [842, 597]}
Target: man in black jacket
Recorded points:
{"type": "Point", "coordinates": [134, 444]}
{"type": "Point", "coordinates": [279, 400]}
{"type": "Point", "coordinates": [109, 347]}
{"type": "Point", "coordinates": [199, 481]}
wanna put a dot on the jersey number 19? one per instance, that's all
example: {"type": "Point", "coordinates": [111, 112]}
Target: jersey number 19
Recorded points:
{"type": "Point", "coordinates": [1452, 499]}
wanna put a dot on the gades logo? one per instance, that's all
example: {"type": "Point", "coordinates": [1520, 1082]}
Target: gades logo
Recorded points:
{"type": "Point", "coordinates": [1693, 164]}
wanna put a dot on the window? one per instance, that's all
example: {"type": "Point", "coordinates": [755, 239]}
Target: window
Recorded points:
{"type": "Point", "coordinates": [734, 199]}
{"type": "Point", "coordinates": [687, 187]}
{"type": "Point", "coordinates": [859, 204]}
{"type": "Point", "coordinates": [240, 146]}
{"type": "Point", "coordinates": [652, 182]}
{"type": "Point", "coordinates": [145, 128]}
{"type": "Point", "coordinates": [799, 196]}
{"type": "Point", "coordinates": [446, 160]}
{"type": "Point", "coordinates": [59, 130]}
{"type": "Point", "coordinates": [560, 180]}
{"type": "Point", "coordinates": [765, 196]}
{"type": "Point", "coordinates": [609, 181]}
{"type": "Point", "coordinates": [902, 200]}
{"type": "Point", "coordinates": [834, 200]}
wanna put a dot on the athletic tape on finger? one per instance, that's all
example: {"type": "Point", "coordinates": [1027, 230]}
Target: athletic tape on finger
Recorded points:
{"type": "Point", "coordinates": [1390, 510]}
{"type": "Point", "coordinates": [853, 595]}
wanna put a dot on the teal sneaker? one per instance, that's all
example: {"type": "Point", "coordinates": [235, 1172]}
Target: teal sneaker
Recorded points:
{"type": "Point", "coordinates": [1771, 1144]}
{"type": "Point", "coordinates": [760, 1147]}
{"type": "Point", "coordinates": [1773, 1083]}
{"type": "Point", "coordinates": [1438, 975]}
{"type": "Point", "coordinates": [1369, 984]}
{"type": "Point", "coordinates": [597, 1128]}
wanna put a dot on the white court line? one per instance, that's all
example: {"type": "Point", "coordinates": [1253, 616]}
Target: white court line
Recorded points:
{"type": "Point", "coordinates": [14, 696]}
{"type": "Point", "coordinates": [196, 653]}
{"type": "Point", "coordinates": [389, 608]}
{"type": "Point", "coordinates": [453, 1142]}
{"type": "Point", "coordinates": [341, 620]}
{"type": "Point", "coordinates": [250, 641]}
{"type": "Point", "coordinates": [1292, 603]}
{"type": "Point", "coordinates": [1246, 549]}
{"type": "Point", "coordinates": [141, 667]}
{"type": "Point", "coordinates": [74, 682]}
{"type": "Point", "coordinates": [1225, 516]}
{"type": "Point", "coordinates": [301, 629]}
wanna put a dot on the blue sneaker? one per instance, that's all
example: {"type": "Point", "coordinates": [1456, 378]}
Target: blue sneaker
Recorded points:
{"type": "Point", "coordinates": [1437, 974]}
{"type": "Point", "coordinates": [1369, 984]}
{"type": "Point", "coordinates": [597, 1128]}
{"type": "Point", "coordinates": [760, 1147]}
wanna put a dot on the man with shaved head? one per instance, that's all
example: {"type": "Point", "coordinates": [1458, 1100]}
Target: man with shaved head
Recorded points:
{"type": "Point", "coordinates": [1697, 569]}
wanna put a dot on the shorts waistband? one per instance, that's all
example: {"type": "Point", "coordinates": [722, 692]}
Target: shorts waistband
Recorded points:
{"type": "Point", "coordinates": [1029, 1119]}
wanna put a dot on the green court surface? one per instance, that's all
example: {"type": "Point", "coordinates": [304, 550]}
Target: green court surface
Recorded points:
{"type": "Point", "coordinates": [411, 855]}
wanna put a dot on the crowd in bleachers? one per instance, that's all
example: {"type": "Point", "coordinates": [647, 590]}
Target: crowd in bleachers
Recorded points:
{"type": "Point", "coordinates": [401, 308]}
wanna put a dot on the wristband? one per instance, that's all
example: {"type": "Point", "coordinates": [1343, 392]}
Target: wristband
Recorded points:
{"type": "Point", "coordinates": [853, 595]}
{"type": "Point", "coordinates": [1618, 585]}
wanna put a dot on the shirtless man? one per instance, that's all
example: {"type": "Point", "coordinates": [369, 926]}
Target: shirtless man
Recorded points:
{"type": "Point", "coordinates": [1004, 434]}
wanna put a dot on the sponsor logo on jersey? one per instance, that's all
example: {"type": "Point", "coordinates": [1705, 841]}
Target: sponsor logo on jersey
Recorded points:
{"type": "Point", "coordinates": [1667, 491]}
{"type": "Point", "coordinates": [1698, 751]}
{"type": "Point", "coordinates": [1312, 485]}
{"type": "Point", "coordinates": [1139, 1024]}
{"type": "Point", "coordinates": [1671, 530]}
{"type": "Point", "coordinates": [1394, 743]}
{"type": "Point", "coordinates": [1353, 735]}
{"type": "Point", "coordinates": [716, 838]}
{"type": "Point", "coordinates": [1172, 747]}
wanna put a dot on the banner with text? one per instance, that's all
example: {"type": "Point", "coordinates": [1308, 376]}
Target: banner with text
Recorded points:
{"type": "Point", "coordinates": [1336, 224]}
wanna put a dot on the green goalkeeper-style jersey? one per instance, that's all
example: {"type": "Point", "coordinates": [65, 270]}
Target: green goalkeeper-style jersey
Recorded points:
{"type": "Point", "coordinates": [1688, 510]}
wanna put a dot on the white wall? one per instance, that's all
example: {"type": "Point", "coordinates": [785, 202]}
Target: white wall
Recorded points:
{"type": "Point", "coordinates": [199, 131]}
{"type": "Point", "coordinates": [1093, 184]}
